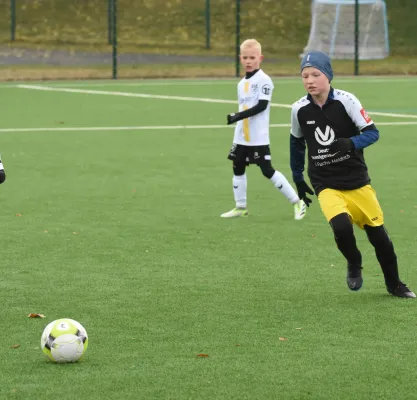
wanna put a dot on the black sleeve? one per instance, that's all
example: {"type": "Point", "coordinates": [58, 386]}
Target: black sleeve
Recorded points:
{"type": "Point", "coordinates": [261, 106]}
{"type": "Point", "coordinates": [297, 157]}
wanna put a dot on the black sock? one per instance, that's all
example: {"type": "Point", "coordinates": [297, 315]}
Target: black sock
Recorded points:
{"type": "Point", "coordinates": [345, 239]}
{"type": "Point", "coordinates": [384, 250]}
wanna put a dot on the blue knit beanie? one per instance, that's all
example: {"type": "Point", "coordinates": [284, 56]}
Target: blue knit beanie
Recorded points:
{"type": "Point", "coordinates": [318, 60]}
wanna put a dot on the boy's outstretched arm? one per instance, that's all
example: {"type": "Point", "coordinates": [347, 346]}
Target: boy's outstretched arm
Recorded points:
{"type": "Point", "coordinates": [297, 157]}
{"type": "Point", "coordinates": [297, 160]}
{"type": "Point", "coordinates": [297, 146]}
{"type": "Point", "coordinates": [250, 112]}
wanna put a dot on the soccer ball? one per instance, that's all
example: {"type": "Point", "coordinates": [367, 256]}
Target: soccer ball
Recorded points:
{"type": "Point", "coordinates": [64, 341]}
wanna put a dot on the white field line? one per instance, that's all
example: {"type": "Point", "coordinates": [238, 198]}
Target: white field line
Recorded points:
{"type": "Point", "coordinates": [181, 98]}
{"type": "Point", "coordinates": [161, 127]}
{"type": "Point", "coordinates": [141, 95]}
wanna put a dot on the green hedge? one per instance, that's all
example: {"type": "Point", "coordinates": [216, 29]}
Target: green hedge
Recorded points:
{"type": "Point", "coordinates": [179, 25]}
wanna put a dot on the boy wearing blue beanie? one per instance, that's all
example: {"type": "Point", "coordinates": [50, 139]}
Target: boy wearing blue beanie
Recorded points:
{"type": "Point", "coordinates": [335, 128]}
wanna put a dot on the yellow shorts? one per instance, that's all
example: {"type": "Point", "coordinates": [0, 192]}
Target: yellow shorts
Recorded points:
{"type": "Point", "coordinates": [361, 205]}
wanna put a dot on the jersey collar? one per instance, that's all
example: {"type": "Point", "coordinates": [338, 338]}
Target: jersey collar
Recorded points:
{"type": "Point", "coordinates": [329, 99]}
{"type": "Point", "coordinates": [250, 74]}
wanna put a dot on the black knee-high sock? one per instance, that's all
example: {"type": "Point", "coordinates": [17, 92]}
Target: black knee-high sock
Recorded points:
{"type": "Point", "coordinates": [345, 239]}
{"type": "Point", "coordinates": [384, 250]}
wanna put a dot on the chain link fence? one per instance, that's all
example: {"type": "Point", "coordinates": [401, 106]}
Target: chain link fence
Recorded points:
{"type": "Point", "coordinates": [60, 39]}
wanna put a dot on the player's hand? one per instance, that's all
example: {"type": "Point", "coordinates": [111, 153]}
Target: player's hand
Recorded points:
{"type": "Point", "coordinates": [342, 145]}
{"type": "Point", "coordinates": [232, 118]}
{"type": "Point", "coordinates": [303, 189]}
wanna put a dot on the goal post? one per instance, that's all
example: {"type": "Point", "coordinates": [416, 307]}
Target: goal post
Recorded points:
{"type": "Point", "coordinates": [333, 25]}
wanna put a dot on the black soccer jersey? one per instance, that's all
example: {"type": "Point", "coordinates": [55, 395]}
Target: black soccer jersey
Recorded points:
{"type": "Point", "coordinates": [341, 117]}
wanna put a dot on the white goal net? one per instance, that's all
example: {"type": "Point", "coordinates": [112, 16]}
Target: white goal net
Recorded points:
{"type": "Point", "coordinates": [333, 29]}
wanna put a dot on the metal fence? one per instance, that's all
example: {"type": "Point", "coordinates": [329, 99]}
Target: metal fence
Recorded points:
{"type": "Point", "coordinates": [60, 39]}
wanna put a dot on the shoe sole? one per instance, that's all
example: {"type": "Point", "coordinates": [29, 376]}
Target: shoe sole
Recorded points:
{"type": "Point", "coordinates": [403, 295]}
{"type": "Point", "coordinates": [235, 216]}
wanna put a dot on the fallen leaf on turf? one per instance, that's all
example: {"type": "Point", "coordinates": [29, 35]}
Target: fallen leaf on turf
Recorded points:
{"type": "Point", "coordinates": [75, 233]}
{"type": "Point", "coordinates": [202, 355]}
{"type": "Point", "coordinates": [18, 215]}
{"type": "Point", "coordinates": [282, 339]}
{"type": "Point", "coordinates": [33, 315]}
{"type": "Point", "coordinates": [15, 346]}
{"type": "Point", "coordinates": [237, 345]}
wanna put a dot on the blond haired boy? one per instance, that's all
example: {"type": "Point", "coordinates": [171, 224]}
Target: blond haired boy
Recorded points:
{"type": "Point", "coordinates": [251, 138]}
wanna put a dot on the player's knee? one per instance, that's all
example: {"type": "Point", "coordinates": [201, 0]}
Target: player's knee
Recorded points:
{"type": "Point", "coordinates": [238, 169]}
{"type": "Point", "coordinates": [378, 236]}
{"type": "Point", "coordinates": [341, 225]}
{"type": "Point", "coordinates": [2, 176]}
{"type": "Point", "coordinates": [267, 169]}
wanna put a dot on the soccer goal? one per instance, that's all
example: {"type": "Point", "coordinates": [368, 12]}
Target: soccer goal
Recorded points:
{"type": "Point", "coordinates": [333, 29]}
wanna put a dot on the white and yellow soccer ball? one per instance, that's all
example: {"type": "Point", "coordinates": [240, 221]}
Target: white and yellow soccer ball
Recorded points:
{"type": "Point", "coordinates": [64, 341]}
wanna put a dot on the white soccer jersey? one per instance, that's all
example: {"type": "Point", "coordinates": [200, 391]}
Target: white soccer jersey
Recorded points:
{"type": "Point", "coordinates": [254, 131]}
